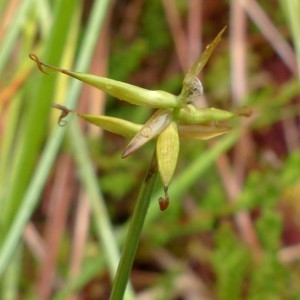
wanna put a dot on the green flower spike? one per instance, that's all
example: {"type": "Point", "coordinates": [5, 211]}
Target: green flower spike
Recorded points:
{"type": "Point", "coordinates": [175, 118]}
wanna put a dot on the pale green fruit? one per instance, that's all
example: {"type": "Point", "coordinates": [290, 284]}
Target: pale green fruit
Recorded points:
{"type": "Point", "coordinates": [167, 149]}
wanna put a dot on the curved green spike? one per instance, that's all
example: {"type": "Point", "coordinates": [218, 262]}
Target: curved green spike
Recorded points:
{"type": "Point", "coordinates": [121, 90]}
{"type": "Point", "coordinates": [192, 115]}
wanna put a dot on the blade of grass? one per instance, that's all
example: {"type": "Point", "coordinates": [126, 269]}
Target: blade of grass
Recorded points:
{"type": "Point", "coordinates": [39, 178]}
{"type": "Point", "coordinates": [45, 17]}
{"type": "Point", "coordinates": [9, 286]}
{"type": "Point", "coordinates": [89, 270]}
{"type": "Point", "coordinates": [270, 31]}
{"type": "Point", "coordinates": [105, 231]}
{"type": "Point", "coordinates": [292, 11]}
{"type": "Point", "coordinates": [13, 31]}
{"type": "Point", "coordinates": [6, 142]}
{"type": "Point", "coordinates": [32, 136]}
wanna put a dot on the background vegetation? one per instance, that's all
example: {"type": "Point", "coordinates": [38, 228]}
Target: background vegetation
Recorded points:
{"type": "Point", "coordinates": [232, 230]}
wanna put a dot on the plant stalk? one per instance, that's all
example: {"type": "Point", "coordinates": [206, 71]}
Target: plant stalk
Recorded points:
{"type": "Point", "coordinates": [134, 232]}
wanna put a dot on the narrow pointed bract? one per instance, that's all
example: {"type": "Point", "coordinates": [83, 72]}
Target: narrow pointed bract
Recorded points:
{"type": "Point", "coordinates": [153, 127]}
{"type": "Point", "coordinates": [204, 57]}
{"type": "Point", "coordinates": [202, 132]}
{"type": "Point", "coordinates": [198, 66]}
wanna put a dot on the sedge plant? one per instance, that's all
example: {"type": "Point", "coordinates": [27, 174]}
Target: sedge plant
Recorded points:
{"type": "Point", "coordinates": [176, 118]}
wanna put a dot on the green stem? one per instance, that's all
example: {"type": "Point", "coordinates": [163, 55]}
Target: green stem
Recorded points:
{"type": "Point", "coordinates": [134, 233]}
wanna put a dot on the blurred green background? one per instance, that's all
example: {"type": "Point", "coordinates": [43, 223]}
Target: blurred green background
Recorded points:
{"type": "Point", "coordinates": [232, 230]}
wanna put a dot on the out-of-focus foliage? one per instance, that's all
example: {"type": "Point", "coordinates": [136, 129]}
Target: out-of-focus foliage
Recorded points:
{"type": "Point", "coordinates": [199, 234]}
